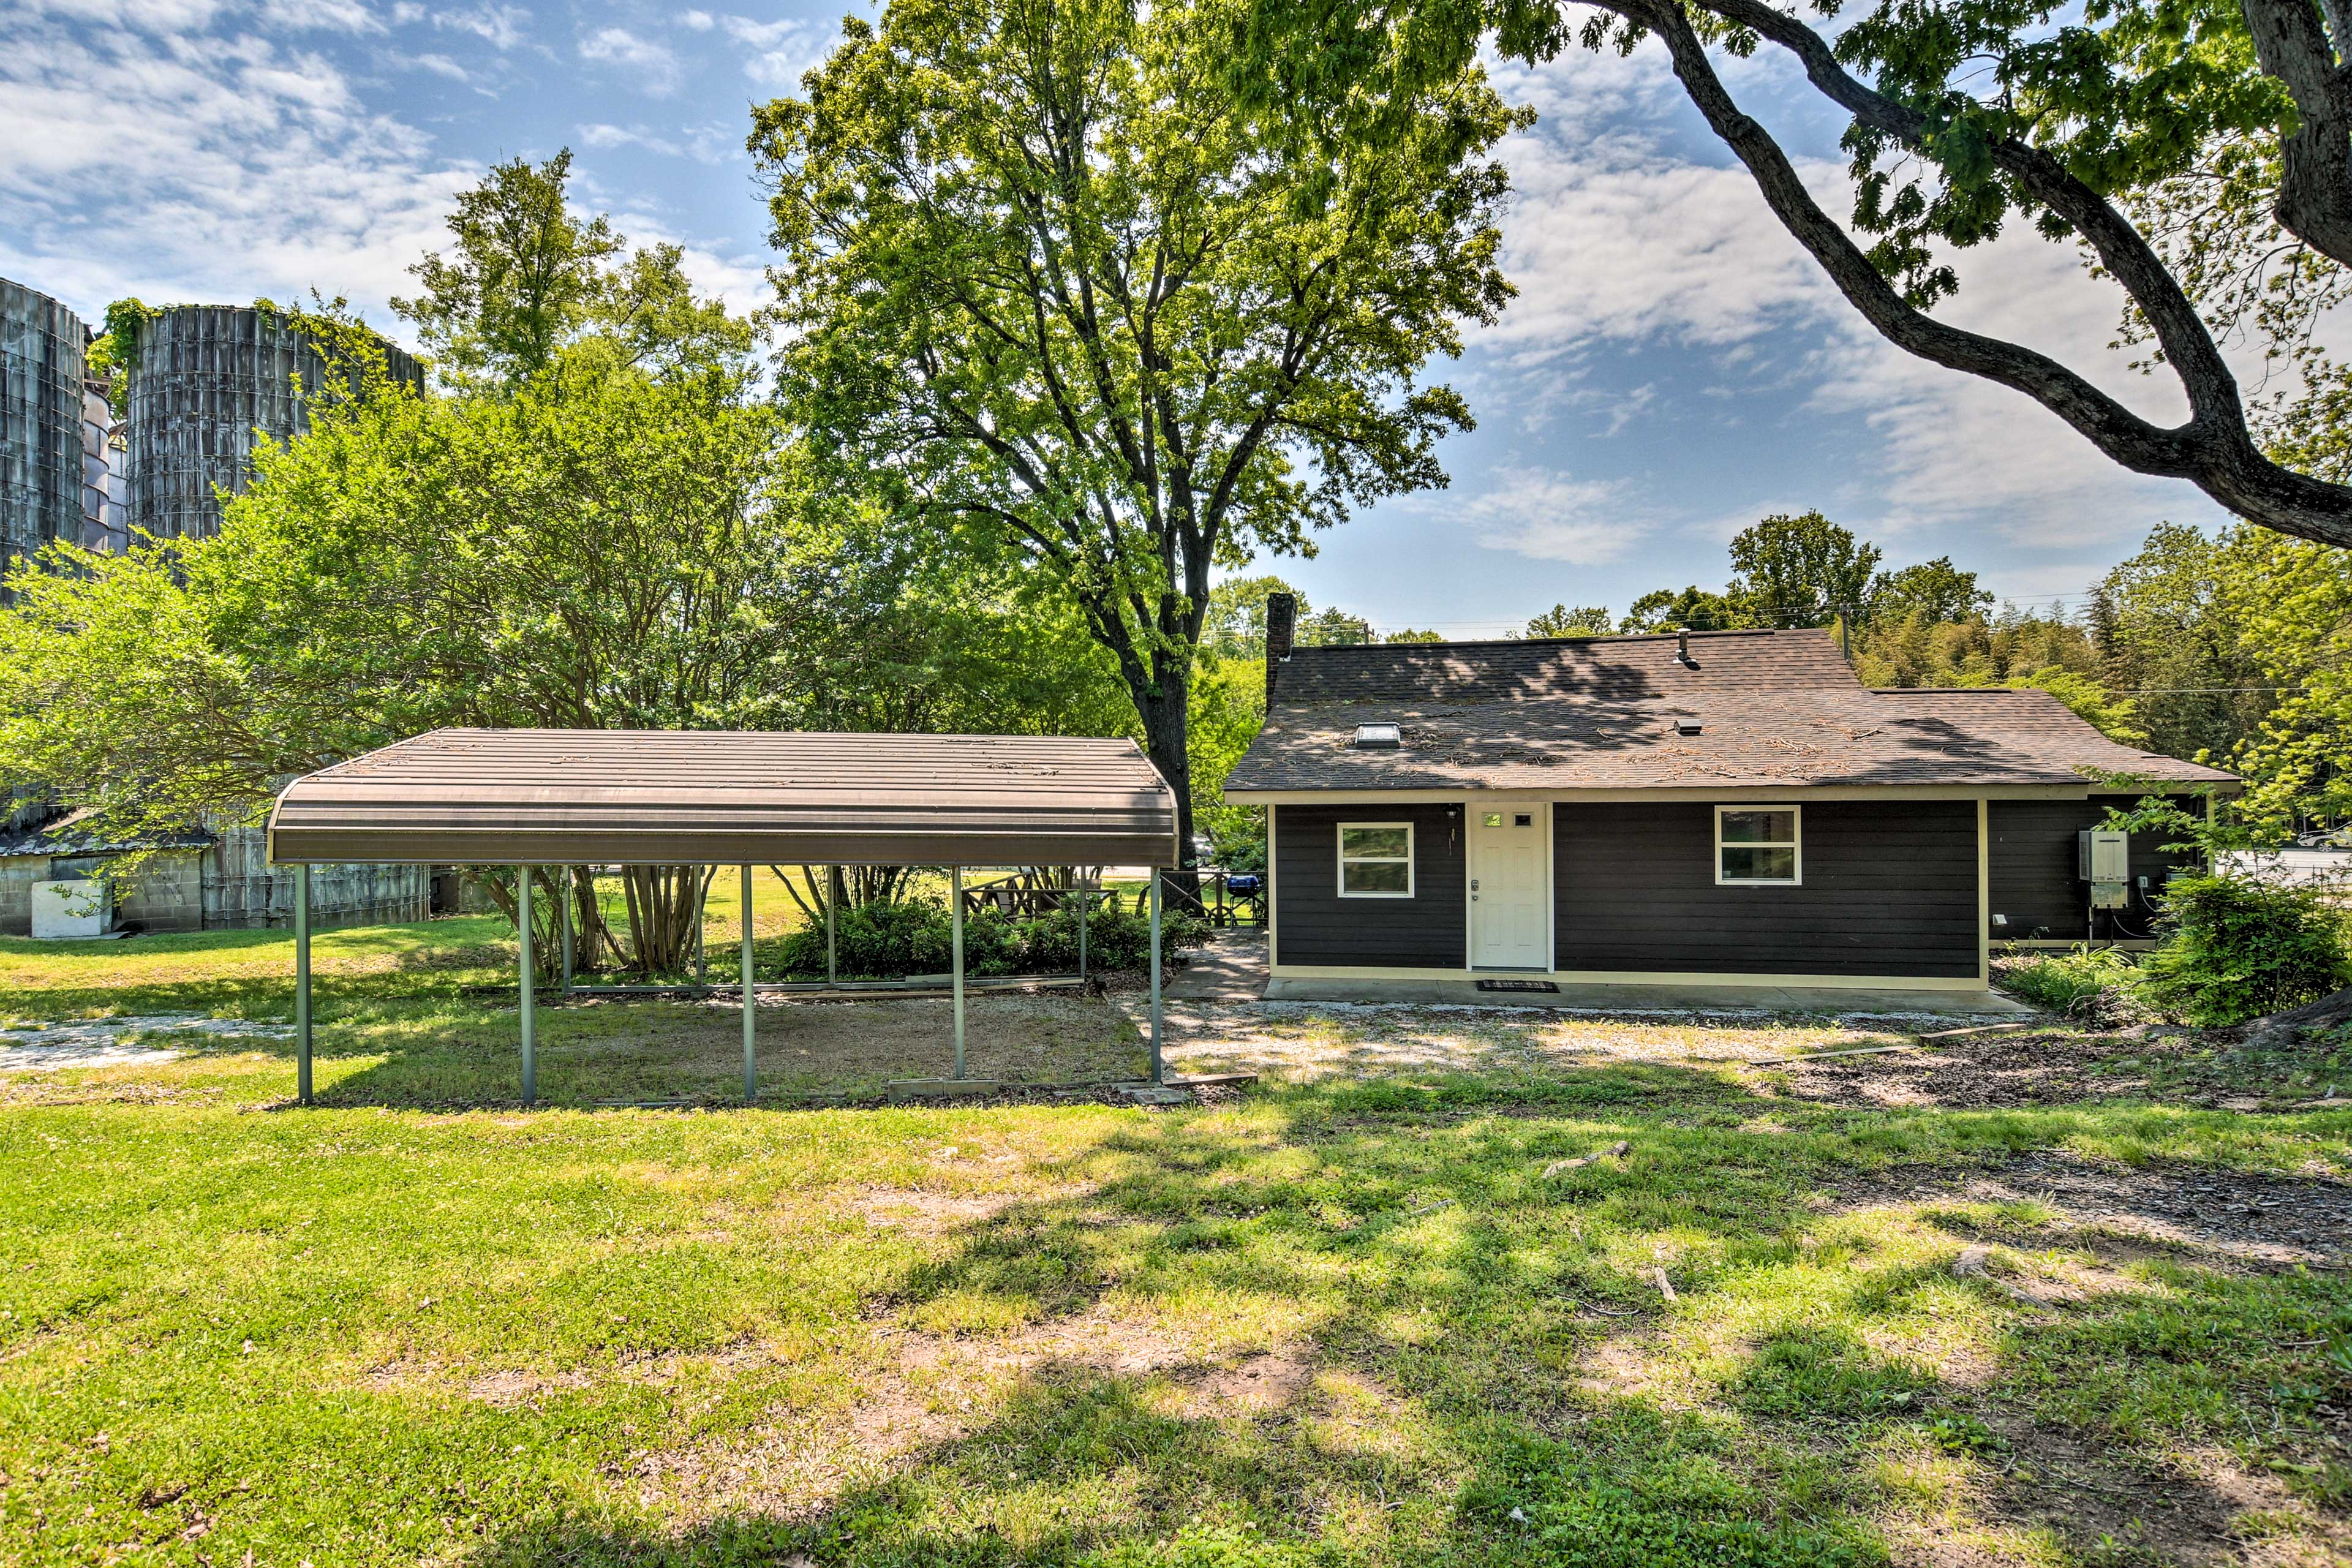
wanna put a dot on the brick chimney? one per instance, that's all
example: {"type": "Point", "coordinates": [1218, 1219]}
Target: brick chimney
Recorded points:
{"type": "Point", "coordinates": [1281, 636]}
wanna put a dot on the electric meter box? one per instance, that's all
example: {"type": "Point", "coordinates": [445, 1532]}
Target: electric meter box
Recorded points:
{"type": "Point", "coordinates": [2103, 855]}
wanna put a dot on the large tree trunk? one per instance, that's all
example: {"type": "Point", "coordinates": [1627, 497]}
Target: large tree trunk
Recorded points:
{"type": "Point", "coordinates": [1162, 706]}
{"type": "Point", "coordinates": [2281, 1028]}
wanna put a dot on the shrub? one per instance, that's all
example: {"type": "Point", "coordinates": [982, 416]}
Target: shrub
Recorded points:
{"type": "Point", "coordinates": [891, 941]}
{"type": "Point", "coordinates": [2082, 981]}
{"type": "Point", "coordinates": [1120, 941]}
{"type": "Point", "coordinates": [2238, 948]}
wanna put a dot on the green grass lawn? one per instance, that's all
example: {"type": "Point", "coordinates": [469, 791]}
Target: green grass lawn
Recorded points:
{"type": "Point", "coordinates": [1328, 1323]}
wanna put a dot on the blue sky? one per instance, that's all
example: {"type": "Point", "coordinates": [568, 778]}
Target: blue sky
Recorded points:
{"type": "Point", "coordinates": [1671, 369]}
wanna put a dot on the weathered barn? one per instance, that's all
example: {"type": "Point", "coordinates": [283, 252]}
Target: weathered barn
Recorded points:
{"type": "Point", "coordinates": [202, 879]}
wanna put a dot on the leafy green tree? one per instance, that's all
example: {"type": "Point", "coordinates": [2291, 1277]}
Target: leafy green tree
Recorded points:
{"type": "Point", "coordinates": [598, 551]}
{"type": "Point", "coordinates": [1695, 608]}
{"type": "Point", "coordinates": [1332, 626]}
{"type": "Point", "coordinates": [1045, 275]}
{"type": "Point", "coordinates": [1935, 589]}
{"type": "Point", "coordinates": [1236, 623]}
{"type": "Point", "coordinates": [1560, 621]}
{"type": "Point", "coordinates": [2291, 604]}
{"type": "Point", "coordinates": [2011, 648]}
{"type": "Point", "coordinates": [1802, 571]}
{"type": "Point", "coordinates": [2170, 635]}
{"type": "Point", "coordinates": [526, 276]}
{"type": "Point", "coordinates": [1228, 708]}
{"type": "Point", "coordinates": [1962, 115]}
{"type": "Point", "coordinates": [1409, 634]}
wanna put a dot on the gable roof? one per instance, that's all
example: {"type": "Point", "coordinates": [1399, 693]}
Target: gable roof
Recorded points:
{"type": "Point", "coordinates": [1776, 710]}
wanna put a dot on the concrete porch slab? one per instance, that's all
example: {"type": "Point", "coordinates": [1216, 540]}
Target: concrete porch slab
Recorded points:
{"type": "Point", "coordinates": [1611, 998]}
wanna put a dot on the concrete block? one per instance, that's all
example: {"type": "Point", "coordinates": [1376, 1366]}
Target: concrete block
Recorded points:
{"type": "Point", "coordinates": [65, 910]}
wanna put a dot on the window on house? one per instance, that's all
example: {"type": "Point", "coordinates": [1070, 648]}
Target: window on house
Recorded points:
{"type": "Point", "coordinates": [1376, 860]}
{"type": "Point", "coordinates": [1758, 844]}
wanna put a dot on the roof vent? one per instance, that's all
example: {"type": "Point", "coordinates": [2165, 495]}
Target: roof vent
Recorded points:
{"type": "Point", "coordinates": [1379, 736]}
{"type": "Point", "coordinates": [1682, 648]}
{"type": "Point", "coordinates": [1687, 726]}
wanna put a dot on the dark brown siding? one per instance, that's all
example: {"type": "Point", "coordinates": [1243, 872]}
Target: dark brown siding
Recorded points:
{"type": "Point", "coordinates": [1315, 925]}
{"type": "Point", "coordinates": [1890, 888]}
{"type": "Point", "coordinates": [2034, 861]}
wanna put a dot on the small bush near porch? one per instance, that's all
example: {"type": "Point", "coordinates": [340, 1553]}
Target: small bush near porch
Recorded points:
{"type": "Point", "coordinates": [1506, 1289]}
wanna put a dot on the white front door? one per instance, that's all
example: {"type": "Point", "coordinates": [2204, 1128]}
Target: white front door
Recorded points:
{"type": "Point", "coordinates": [1508, 892]}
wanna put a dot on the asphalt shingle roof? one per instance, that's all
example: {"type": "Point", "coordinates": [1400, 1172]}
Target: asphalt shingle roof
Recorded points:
{"type": "Point", "coordinates": [1776, 709]}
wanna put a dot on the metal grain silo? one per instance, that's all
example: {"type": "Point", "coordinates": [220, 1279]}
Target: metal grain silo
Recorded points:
{"type": "Point", "coordinates": [204, 379]}
{"type": "Point", "coordinates": [42, 347]}
{"type": "Point", "coordinates": [105, 473]}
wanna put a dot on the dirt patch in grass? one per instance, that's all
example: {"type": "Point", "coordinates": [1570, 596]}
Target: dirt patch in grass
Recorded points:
{"type": "Point", "coordinates": [2114, 1510]}
{"type": "Point", "coordinates": [919, 1213]}
{"type": "Point", "coordinates": [2225, 1219]}
{"type": "Point", "coordinates": [1024, 1037]}
{"type": "Point", "coordinates": [1978, 1071]}
{"type": "Point", "coordinates": [926, 1391]}
{"type": "Point", "coordinates": [1314, 1042]}
{"type": "Point", "coordinates": [1267, 1380]}
{"type": "Point", "coordinates": [2062, 1066]}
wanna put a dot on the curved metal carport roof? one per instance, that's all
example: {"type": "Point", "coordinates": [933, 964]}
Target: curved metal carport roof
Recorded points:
{"type": "Point", "coordinates": [715, 797]}
{"type": "Point", "coordinates": [728, 797]}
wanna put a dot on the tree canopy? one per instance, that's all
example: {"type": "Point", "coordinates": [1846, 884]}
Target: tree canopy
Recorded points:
{"type": "Point", "coordinates": [526, 276]}
{"type": "Point", "coordinates": [620, 535]}
{"type": "Point", "coordinates": [1800, 571]}
{"type": "Point", "coordinates": [1044, 276]}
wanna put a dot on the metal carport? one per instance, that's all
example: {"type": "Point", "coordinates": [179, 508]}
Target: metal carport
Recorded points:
{"type": "Point", "coordinates": [716, 797]}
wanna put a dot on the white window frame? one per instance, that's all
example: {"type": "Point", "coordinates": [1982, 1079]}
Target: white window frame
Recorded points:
{"type": "Point", "coordinates": [1795, 843]}
{"type": "Point", "coordinates": [1340, 869]}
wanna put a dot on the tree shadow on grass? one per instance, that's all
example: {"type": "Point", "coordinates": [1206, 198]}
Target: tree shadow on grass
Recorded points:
{"type": "Point", "coordinates": [1071, 1380]}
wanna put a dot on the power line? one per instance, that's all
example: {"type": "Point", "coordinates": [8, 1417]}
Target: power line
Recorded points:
{"type": "Point", "coordinates": [2280, 686]}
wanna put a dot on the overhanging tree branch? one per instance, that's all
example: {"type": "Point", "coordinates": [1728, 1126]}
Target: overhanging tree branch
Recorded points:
{"type": "Point", "coordinates": [2213, 450]}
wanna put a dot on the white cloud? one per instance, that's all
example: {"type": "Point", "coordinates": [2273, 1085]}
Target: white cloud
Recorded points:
{"type": "Point", "coordinates": [442, 65]}
{"type": "Point", "coordinates": [1553, 517]}
{"type": "Point", "coordinates": [320, 15]}
{"type": "Point", "coordinates": [655, 69]}
{"type": "Point", "coordinates": [159, 17]}
{"type": "Point", "coordinates": [782, 51]}
{"type": "Point", "coordinates": [1616, 242]}
{"type": "Point", "coordinates": [704, 143]}
{"type": "Point", "coordinates": [696, 21]}
{"type": "Point", "coordinates": [500, 27]}
{"type": "Point", "coordinates": [1604, 245]}
{"type": "Point", "coordinates": [205, 168]}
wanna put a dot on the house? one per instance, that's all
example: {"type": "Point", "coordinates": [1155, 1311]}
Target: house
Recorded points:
{"type": "Point", "coordinates": [1707, 807]}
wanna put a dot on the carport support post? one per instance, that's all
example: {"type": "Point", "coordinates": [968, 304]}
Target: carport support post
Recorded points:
{"type": "Point", "coordinates": [955, 941]}
{"type": "Point", "coordinates": [1085, 897]}
{"type": "Point", "coordinates": [831, 911]}
{"type": "Point", "coordinates": [1155, 975]}
{"type": "Point", "coordinates": [302, 983]}
{"type": "Point", "coordinates": [563, 923]}
{"type": "Point", "coordinates": [530, 1054]}
{"type": "Point", "coordinates": [750, 1003]}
